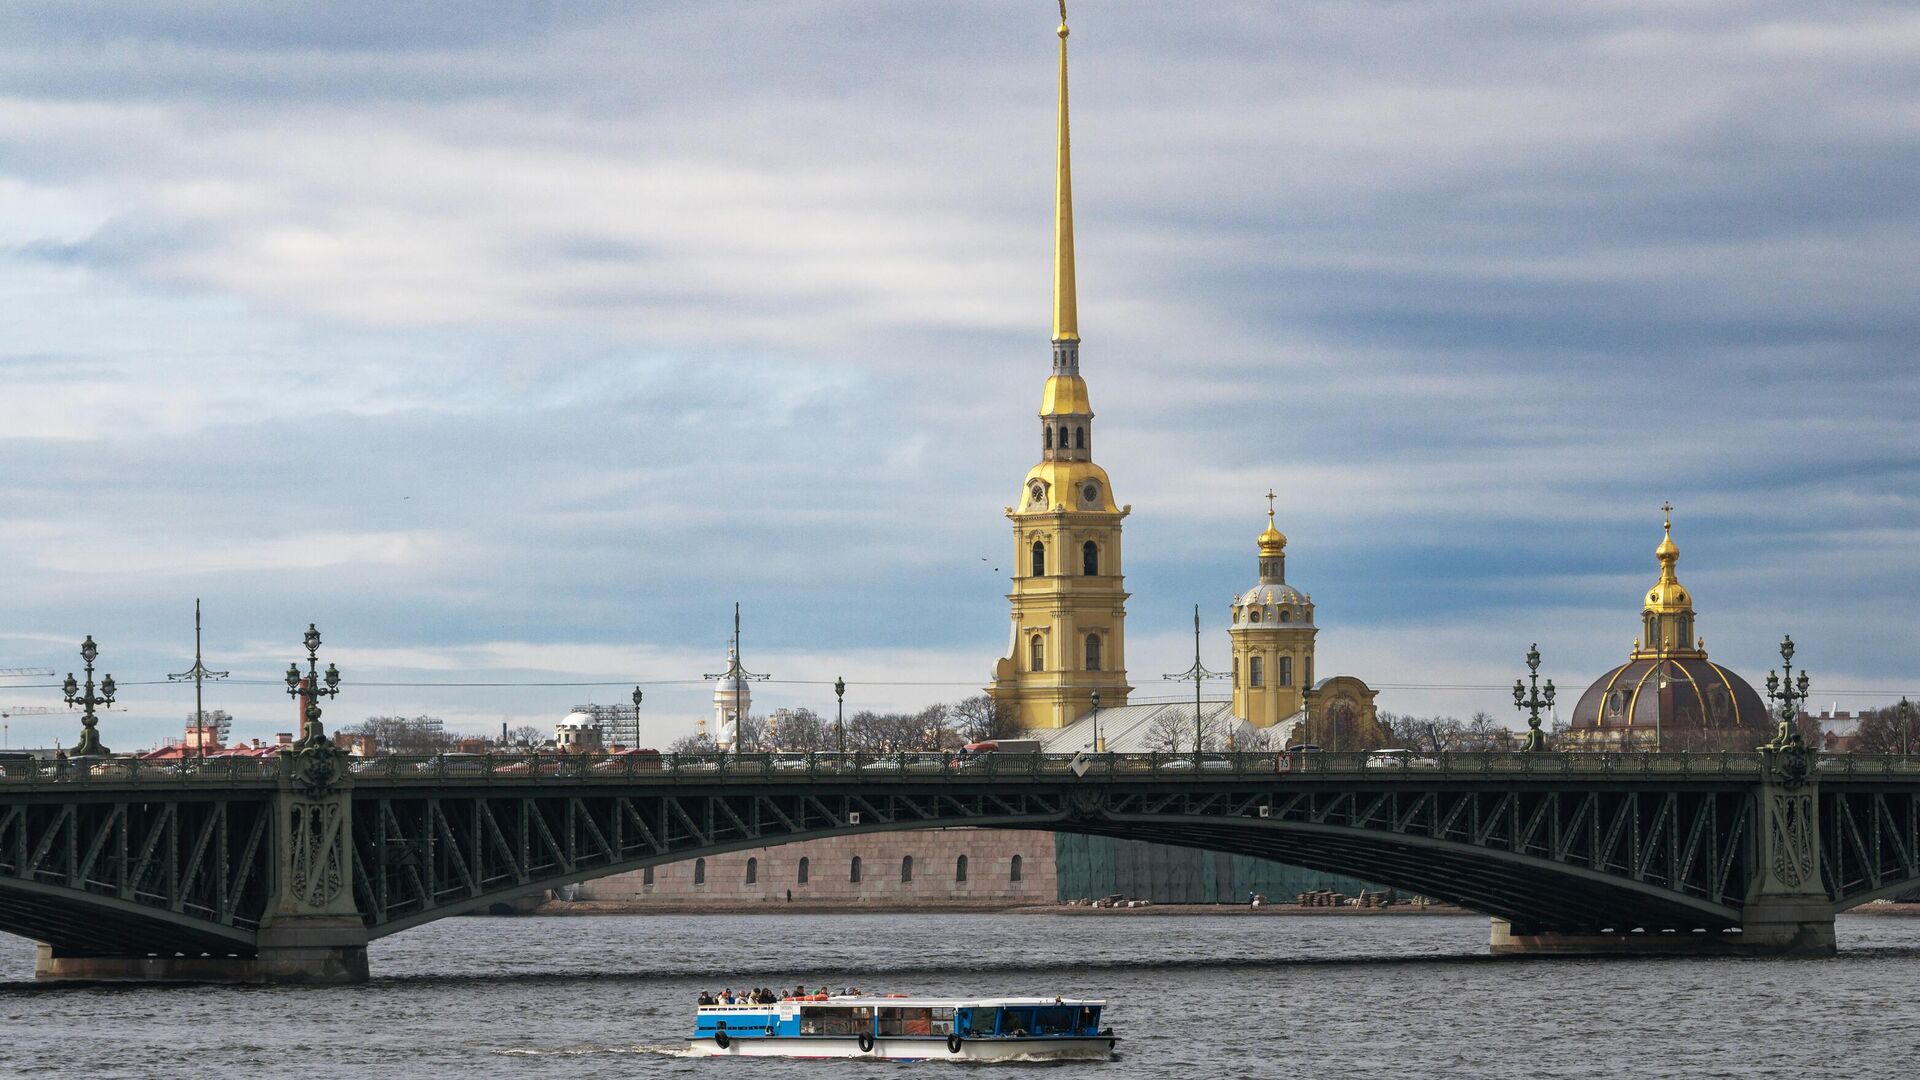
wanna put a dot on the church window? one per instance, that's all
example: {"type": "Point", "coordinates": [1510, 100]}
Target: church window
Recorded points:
{"type": "Point", "coordinates": [960, 868]}
{"type": "Point", "coordinates": [1253, 615]}
{"type": "Point", "coordinates": [1013, 872]}
{"type": "Point", "coordinates": [1080, 438]}
{"type": "Point", "coordinates": [1063, 436]}
{"type": "Point", "coordinates": [1286, 671]}
{"type": "Point", "coordinates": [1039, 559]}
{"type": "Point", "coordinates": [806, 868]}
{"type": "Point", "coordinates": [1090, 558]}
{"type": "Point", "coordinates": [753, 871]}
{"type": "Point", "coordinates": [1285, 615]}
{"type": "Point", "coordinates": [1037, 653]}
{"type": "Point", "coordinates": [1048, 436]}
{"type": "Point", "coordinates": [699, 871]}
{"type": "Point", "coordinates": [1254, 671]}
{"type": "Point", "coordinates": [853, 870]}
{"type": "Point", "coordinates": [1093, 652]}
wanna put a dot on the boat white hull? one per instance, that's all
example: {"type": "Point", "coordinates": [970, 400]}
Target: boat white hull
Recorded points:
{"type": "Point", "coordinates": [917, 1049]}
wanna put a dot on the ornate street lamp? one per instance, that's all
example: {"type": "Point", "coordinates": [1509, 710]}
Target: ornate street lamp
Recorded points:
{"type": "Point", "coordinates": [840, 712]}
{"type": "Point", "coordinates": [89, 733]}
{"type": "Point", "coordinates": [1099, 744]}
{"type": "Point", "coordinates": [637, 695]}
{"type": "Point", "coordinates": [1533, 701]}
{"type": "Point", "coordinates": [1787, 696]}
{"type": "Point", "coordinates": [309, 688]}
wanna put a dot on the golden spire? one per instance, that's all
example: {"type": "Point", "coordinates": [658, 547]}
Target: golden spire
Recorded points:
{"type": "Point", "coordinates": [1066, 308]}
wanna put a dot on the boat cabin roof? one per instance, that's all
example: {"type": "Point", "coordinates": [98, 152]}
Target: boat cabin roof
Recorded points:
{"type": "Point", "coordinates": [877, 1001]}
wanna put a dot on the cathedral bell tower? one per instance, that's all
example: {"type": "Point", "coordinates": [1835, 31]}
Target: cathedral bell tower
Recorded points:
{"type": "Point", "coordinates": [1272, 633]}
{"type": "Point", "coordinates": [1069, 608]}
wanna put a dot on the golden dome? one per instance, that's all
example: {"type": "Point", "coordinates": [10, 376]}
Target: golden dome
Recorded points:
{"type": "Point", "coordinates": [1667, 594]}
{"type": "Point", "coordinates": [1273, 541]}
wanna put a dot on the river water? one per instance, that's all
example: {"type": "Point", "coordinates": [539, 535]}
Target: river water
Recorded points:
{"type": "Point", "coordinates": [1194, 997]}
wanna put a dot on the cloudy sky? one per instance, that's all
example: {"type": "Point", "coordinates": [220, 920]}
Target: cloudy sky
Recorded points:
{"type": "Point", "coordinates": [514, 342]}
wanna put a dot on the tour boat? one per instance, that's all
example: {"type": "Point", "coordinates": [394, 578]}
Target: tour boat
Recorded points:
{"type": "Point", "coordinates": [901, 1028]}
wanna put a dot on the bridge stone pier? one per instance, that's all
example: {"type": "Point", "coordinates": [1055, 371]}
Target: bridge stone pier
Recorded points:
{"type": "Point", "coordinates": [284, 870]}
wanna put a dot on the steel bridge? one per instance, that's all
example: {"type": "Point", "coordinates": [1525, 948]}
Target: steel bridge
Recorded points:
{"type": "Point", "coordinates": [283, 869]}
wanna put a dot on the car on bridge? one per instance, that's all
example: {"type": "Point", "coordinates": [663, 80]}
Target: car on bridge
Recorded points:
{"type": "Point", "coordinates": [630, 760]}
{"type": "Point", "coordinates": [1208, 763]}
{"type": "Point", "coordinates": [1403, 760]}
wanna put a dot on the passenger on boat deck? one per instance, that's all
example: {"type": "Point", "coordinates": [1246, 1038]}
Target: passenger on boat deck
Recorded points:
{"type": "Point", "coordinates": [799, 990]}
{"type": "Point", "coordinates": [706, 998]}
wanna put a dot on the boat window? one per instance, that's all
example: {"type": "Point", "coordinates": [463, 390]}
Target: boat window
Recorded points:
{"type": "Point", "coordinates": [1016, 1021]}
{"type": "Point", "coordinates": [1054, 1020]}
{"type": "Point", "coordinates": [973, 1023]}
{"type": "Point", "coordinates": [916, 1021]}
{"type": "Point", "coordinates": [834, 1020]}
{"type": "Point", "coordinates": [1090, 1020]}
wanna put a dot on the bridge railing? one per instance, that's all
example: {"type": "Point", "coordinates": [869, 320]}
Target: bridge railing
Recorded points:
{"type": "Point", "coordinates": [644, 767]}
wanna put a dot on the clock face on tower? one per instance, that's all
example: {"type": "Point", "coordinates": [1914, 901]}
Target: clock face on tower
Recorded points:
{"type": "Point", "coordinates": [1090, 493]}
{"type": "Point", "coordinates": [1037, 493]}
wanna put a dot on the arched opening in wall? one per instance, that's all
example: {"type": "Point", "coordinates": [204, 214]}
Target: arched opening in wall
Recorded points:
{"type": "Point", "coordinates": [960, 869]}
{"type": "Point", "coordinates": [646, 878]}
{"type": "Point", "coordinates": [1080, 438]}
{"type": "Point", "coordinates": [1063, 436]}
{"type": "Point", "coordinates": [853, 871]}
{"type": "Point", "coordinates": [1037, 653]}
{"type": "Point", "coordinates": [753, 871]}
{"type": "Point", "coordinates": [1039, 559]}
{"type": "Point", "coordinates": [806, 867]}
{"type": "Point", "coordinates": [1285, 615]}
{"type": "Point", "coordinates": [1090, 558]}
{"type": "Point", "coordinates": [1256, 671]}
{"type": "Point", "coordinates": [906, 869]}
{"type": "Point", "coordinates": [699, 871]}
{"type": "Point", "coordinates": [1286, 671]}
{"type": "Point", "coordinates": [1254, 615]}
{"type": "Point", "coordinates": [500, 909]}
{"type": "Point", "coordinates": [1234, 678]}
{"type": "Point", "coordinates": [1046, 438]}
{"type": "Point", "coordinates": [1093, 652]}
{"type": "Point", "coordinates": [1013, 871]}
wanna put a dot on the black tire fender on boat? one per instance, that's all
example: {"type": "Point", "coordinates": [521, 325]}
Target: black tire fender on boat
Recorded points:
{"type": "Point", "coordinates": [953, 1044]}
{"type": "Point", "coordinates": [721, 1039]}
{"type": "Point", "coordinates": [866, 1042]}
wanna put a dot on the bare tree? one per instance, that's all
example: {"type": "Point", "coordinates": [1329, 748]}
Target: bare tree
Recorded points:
{"type": "Point", "coordinates": [403, 734]}
{"type": "Point", "coordinates": [524, 735]}
{"type": "Point", "coordinates": [802, 731]}
{"type": "Point", "coordinates": [1892, 730]}
{"type": "Point", "coordinates": [693, 744]}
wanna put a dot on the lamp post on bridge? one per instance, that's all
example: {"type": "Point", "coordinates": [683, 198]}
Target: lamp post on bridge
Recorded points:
{"type": "Point", "coordinates": [89, 723]}
{"type": "Point", "coordinates": [199, 674]}
{"type": "Point", "coordinates": [1787, 697]}
{"type": "Point", "coordinates": [840, 712]}
{"type": "Point", "coordinates": [637, 695]}
{"type": "Point", "coordinates": [1099, 744]}
{"type": "Point", "coordinates": [309, 689]}
{"type": "Point", "coordinates": [1197, 673]}
{"type": "Point", "coordinates": [1533, 701]}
